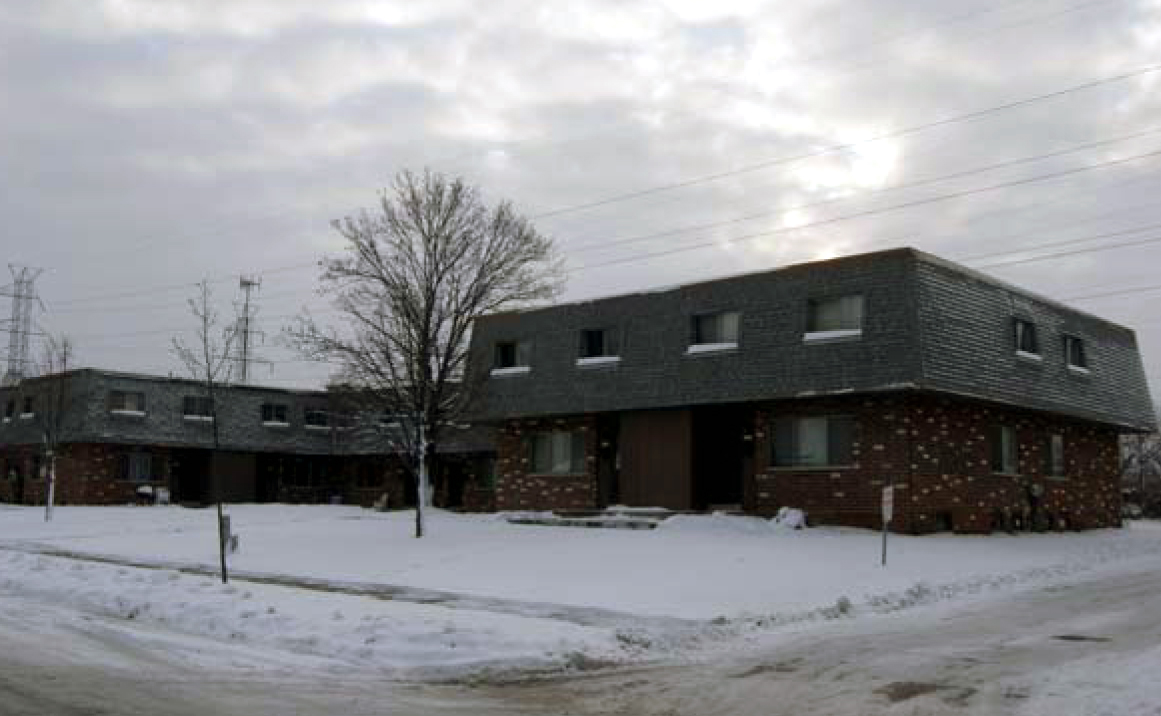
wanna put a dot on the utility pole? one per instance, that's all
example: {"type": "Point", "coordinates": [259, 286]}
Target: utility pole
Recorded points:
{"type": "Point", "coordinates": [22, 291]}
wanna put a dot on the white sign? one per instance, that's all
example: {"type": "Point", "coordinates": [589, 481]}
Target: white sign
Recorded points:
{"type": "Point", "coordinates": [888, 503]}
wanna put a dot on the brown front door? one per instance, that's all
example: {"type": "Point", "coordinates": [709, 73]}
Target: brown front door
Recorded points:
{"type": "Point", "coordinates": [656, 469]}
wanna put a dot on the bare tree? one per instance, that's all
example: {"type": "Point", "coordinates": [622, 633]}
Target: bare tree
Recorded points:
{"type": "Point", "coordinates": [1141, 470]}
{"type": "Point", "coordinates": [56, 358]}
{"type": "Point", "coordinates": [416, 272]}
{"type": "Point", "coordinates": [209, 360]}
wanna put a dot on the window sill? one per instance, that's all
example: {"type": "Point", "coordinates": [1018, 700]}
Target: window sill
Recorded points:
{"type": "Point", "coordinates": [703, 348]}
{"type": "Point", "coordinates": [844, 334]}
{"type": "Point", "coordinates": [511, 371]}
{"type": "Point", "coordinates": [197, 418]}
{"type": "Point", "coordinates": [557, 474]}
{"type": "Point", "coordinates": [1034, 357]}
{"type": "Point", "coordinates": [128, 413]}
{"type": "Point", "coordinates": [317, 427]}
{"type": "Point", "coordinates": [598, 362]}
{"type": "Point", "coordinates": [7, 420]}
{"type": "Point", "coordinates": [27, 416]}
{"type": "Point", "coordinates": [1079, 370]}
{"type": "Point", "coordinates": [811, 468]}
{"type": "Point", "coordinates": [274, 424]}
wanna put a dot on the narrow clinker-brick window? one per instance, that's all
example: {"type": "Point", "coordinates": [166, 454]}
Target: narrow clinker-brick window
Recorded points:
{"type": "Point", "coordinates": [1054, 455]}
{"type": "Point", "coordinates": [560, 452]}
{"type": "Point", "coordinates": [1025, 333]}
{"type": "Point", "coordinates": [316, 418]}
{"type": "Point", "coordinates": [29, 406]}
{"type": "Point", "coordinates": [1074, 352]}
{"type": "Point", "coordinates": [815, 441]}
{"type": "Point", "coordinates": [1005, 450]}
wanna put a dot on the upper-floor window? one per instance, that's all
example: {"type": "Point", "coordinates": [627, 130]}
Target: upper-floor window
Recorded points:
{"type": "Point", "coordinates": [29, 407]}
{"type": "Point", "coordinates": [1026, 341]}
{"type": "Point", "coordinates": [314, 418]}
{"type": "Point", "coordinates": [1054, 455]}
{"type": "Point", "coordinates": [1005, 450]}
{"type": "Point", "coordinates": [1074, 353]}
{"type": "Point", "coordinates": [560, 452]}
{"type": "Point", "coordinates": [840, 317]}
{"type": "Point", "coordinates": [274, 414]}
{"type": "Point", "coordinates": [510, 357]}
{"type": "Point", "coordinates": [597, 347]}
{"type": "Point", "coordinates": [9, 409]}
{"type": "Point", "coordinates": [715, 331]}
{"type": "Point", "coordinates": [815, 441]}
{"type": "Point", "coordinates": [597, 343]}
{"type": "Point", "coordinates": [197, 407]}
{"type": "Point", "coordinates": [125, 401]}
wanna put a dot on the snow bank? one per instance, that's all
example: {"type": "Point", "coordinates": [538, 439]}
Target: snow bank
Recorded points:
{"type": "Point", "coordinates": [403, 640]}
{"type": "Point", "coordinates": [529, 594]}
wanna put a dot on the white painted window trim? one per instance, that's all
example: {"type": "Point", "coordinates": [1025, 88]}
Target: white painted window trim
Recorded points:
{"type": "Point", "coordinates": [127, 413]}
{"type": "Point", "coordinates": [511, 371]}
{"type": "Point", "coordinates": [317, 427]}
{"type": "Point", "coordinates": [274, 424]}
{"type": "Point", "coordinates": [198, 418]}
{"type": "Point", "coordinates": [1079, 369]}
{"type": "Point", "coordinates": [27, 416]}
{"type": "Point", "coordinates": [597, 361]}
{"type": "Point", "coordinates": [1029, 356]}
{"type": "Point", "coordinates": [835, 335]}
{"type": "Point", "coordinates": [7, 419]}
{"type": "Point", "coordinates": [703, 348]}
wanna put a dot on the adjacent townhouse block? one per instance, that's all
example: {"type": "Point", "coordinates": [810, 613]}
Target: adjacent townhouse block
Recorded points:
{"type": "Point", "coordinates": [120, 431]}
{"type": "Point", "coordinates": [815, 386]}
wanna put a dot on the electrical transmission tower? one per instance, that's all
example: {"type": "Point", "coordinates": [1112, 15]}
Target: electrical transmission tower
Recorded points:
{"type": "Point", "coordinates": [245, 335]}
{"type": "Point", "coordinates": [22, 291]}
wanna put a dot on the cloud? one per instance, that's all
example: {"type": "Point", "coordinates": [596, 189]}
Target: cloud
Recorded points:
{"type": "Point", "coordinates": [153, 142]}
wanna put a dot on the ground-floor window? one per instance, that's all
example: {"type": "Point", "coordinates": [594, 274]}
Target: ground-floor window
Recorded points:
{"type": "Point", "coordinates": [559, 452]}
{"type": "Point", "coordinates": [1005, 450]}
{"type": "Point", "coordinates": [137, 466]}
{"type": "Point", "coordinates": [813, 441]}
{"type": "Point", "coordinates": [369, 475]}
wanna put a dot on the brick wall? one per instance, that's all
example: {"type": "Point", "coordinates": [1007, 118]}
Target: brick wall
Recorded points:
{"type": "Point", "coordinates": [936, 452]}
{"type": "Point", "coordinates": [518, 489]}
{"type": "Point", "coordinates": [85, 474]}
{"type": "Point", "coordinates": [849, 495]}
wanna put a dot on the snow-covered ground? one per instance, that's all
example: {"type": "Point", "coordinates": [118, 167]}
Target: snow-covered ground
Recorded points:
{"type": "Point", "coordinates": [479, 594]}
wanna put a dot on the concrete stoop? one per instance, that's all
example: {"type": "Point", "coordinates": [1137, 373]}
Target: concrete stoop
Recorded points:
{"type": "Point", "coordinates": [624, 518]}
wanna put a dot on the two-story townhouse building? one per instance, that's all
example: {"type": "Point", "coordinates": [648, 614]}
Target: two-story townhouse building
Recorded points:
{"type": "Point", "coordinates": [815, 386]}
{"type": "Point", "coordinates": [120, 431]}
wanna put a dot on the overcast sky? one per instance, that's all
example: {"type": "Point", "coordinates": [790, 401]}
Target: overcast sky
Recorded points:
{"type": "Point", "coordinates": [145, 144]}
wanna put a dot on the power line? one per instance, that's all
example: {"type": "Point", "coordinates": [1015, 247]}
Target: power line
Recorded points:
{"type": "Point", "coordinates": [601, 245]}
{"type": "Point", "coordinates": [912, 129]}
{"type": "Point", "coordinates": [869, 212]}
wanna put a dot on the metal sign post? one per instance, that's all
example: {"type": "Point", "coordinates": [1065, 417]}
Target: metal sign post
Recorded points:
{"type": "Point", "coordinates": [888, 513]}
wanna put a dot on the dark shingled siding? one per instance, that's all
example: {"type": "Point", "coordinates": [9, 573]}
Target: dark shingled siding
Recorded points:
{"type": "Point", "coordinates": [969, 348]}
{"type": "Point", "coordinates": [929, 324]}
